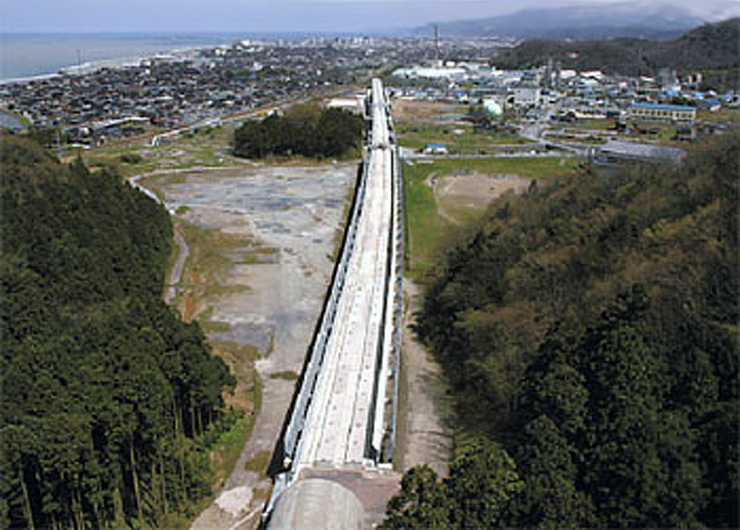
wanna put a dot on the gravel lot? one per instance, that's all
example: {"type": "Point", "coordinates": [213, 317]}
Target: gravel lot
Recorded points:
{"type": "Point", "coordinates": [294, 215]}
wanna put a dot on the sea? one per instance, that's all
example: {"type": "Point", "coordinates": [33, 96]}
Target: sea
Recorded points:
{"type": "Point", "coordinates": [25, 56]}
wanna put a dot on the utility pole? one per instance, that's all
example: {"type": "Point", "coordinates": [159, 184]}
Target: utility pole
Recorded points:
{"type": "Point", "coordinates": [436, 43]}
{"type": "Point", "coordinates": [59, 142]}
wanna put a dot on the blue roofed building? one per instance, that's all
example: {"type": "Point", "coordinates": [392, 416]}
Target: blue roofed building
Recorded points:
{"type": "Point", "coordinates": [435, 149]}
{"type": "Point", "coordinates": [661, 112]}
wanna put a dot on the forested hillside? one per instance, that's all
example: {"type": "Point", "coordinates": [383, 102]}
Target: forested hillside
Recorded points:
{"type": "Point", "coordinates": [105, 391]}
{"type": "Point", "coordinates": [708, 47]}
{"type": "Point", "coordinates": [589, 330]}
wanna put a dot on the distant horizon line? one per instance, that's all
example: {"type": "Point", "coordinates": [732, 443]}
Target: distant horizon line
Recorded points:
{"type": "Point", "coordinates": [201, 32]}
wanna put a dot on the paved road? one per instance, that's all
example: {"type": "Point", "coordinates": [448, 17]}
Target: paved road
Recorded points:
{"type": "Point", "coordinates": [183, 250]}
{"type": "Point", "coordinates": [176, 273]}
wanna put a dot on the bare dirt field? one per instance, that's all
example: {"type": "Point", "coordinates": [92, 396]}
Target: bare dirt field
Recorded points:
{"type": "Point", "coordinates": [460, 196]}
{"type": "Point", "coordinates": [413, 110]}
{"type": "Point", "coordinates": [281, 224]}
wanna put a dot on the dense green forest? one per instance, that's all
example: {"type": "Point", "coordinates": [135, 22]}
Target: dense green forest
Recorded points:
{"type": "Point", "coordinates": [106, 393]}
{"type": "Point", "coordinates": [709, 47]}
{"type": "Point", "coordinates": [304, 130]}
{"type": "Point", "coordinates": [589, 331]}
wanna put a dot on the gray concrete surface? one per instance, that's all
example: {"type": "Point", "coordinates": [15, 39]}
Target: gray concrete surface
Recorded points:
{"type": "Point", "coordinates": [295, 212]}
{"type": "Point", "coordinates": [318, 504]}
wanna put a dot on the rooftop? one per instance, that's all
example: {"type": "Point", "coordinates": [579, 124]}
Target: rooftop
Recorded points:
{"type": "Point", "coordinates": [661, 106]}
{"type": "Point", "coordinates": [635, 151]}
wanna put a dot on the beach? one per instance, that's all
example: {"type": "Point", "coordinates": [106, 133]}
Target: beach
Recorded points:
{"type": "Point", "coordinates": [24, 57]}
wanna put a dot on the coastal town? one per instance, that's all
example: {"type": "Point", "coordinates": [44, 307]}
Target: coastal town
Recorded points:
{"type": "Point", "coordinates": [170, 91]}
{"type": "Point", "coordinates": [175, 90]}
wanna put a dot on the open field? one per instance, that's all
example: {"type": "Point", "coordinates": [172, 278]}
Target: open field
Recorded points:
{"type": "Point", "coordinates": [419, 123]}
{"type": "Point", "coordinates": [461, 198]}
{"type": "Point", "coordinates": [429, 227]}
{"type": "Point", "coordinates": [459, 138]}
{"type": "Point", "coordinates": [416, 110]}
{"type": "Point", "coordinates": [724, 115]}
{"type": "Point", "coordinates": [205, 147]}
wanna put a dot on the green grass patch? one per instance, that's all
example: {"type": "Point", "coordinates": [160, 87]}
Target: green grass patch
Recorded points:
{"type": "Point", "coordinates": [542, 168]}
{"type": "Point", "coordinates": [287, 375]}
{"type": "Point", "coordinates": [424, 225]}
{"type": "Point", "coordinates": [459, 138]}
{"type": "Point", "coordinates": [258, 463]}
{"type": "Point", "coordinates": [724, 115]}
{"type": "Point", "coordinates": [235, 435]}
{"type": "Point", "coordinates": [247, 398]}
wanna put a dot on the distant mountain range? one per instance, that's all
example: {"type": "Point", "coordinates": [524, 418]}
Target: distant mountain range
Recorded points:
{"type": "Point", "coordinates": [646, 19]}
{"type": "Point", "coordinates": [708, 47]}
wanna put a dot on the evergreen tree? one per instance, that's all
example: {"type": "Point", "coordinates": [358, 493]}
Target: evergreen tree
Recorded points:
{"type": "Point", "coordinates": [105, 391]}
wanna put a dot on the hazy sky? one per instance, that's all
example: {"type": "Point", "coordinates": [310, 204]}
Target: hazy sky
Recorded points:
{"type": "Point", "coordinates": [246, 15]}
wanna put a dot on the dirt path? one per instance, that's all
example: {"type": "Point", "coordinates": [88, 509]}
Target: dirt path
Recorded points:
{"type": "Point", "coordinates": [425, 435]}
{"type": "Point", "coordinates": [176, 273]}
{"type": "Point", "coordinates": [435, 181]}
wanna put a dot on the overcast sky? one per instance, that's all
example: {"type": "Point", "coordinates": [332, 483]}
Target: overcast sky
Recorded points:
{"type": "Point", "coordinates": [248, 15]}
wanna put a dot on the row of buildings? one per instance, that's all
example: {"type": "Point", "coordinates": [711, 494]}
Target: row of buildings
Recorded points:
{"type": "Point", "coordinates": [177, 90]}
{"type": "Point", "coordinates": [583, 93]}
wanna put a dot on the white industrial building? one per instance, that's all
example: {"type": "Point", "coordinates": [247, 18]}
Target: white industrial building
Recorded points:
{"type": "Point", "coordinates": [356, 104]}
{"type": "Point", "coordinates": [526, 95]}
{"type": "Point", "coordinates": [442, 72]}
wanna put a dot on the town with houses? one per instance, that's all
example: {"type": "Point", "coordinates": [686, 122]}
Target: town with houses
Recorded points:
{"type": "Point", "coordinates": [175, 91]}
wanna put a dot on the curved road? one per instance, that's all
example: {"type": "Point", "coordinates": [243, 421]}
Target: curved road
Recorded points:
{"type": "Point", "coordinates": [176, 272]}
{"type": "Point", "coordinates": [182, 246]}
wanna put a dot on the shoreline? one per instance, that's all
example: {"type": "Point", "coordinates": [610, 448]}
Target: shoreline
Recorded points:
{"type": "Point", "coordinates": [89, 67]}
{"type": "Point", "coordinates": [210, 41]}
